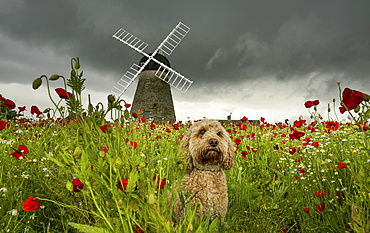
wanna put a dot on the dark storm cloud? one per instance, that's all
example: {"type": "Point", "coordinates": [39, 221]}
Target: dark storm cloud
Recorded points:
{"type": "Point", "coordinates": [229, 41]}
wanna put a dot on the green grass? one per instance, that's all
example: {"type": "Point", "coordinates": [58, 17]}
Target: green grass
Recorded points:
{"type": "Point", "coordinates": [268, 189]}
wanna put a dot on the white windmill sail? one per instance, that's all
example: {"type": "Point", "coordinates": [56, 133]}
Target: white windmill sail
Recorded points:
{"type": "Point", "coordinates": [164, 72]}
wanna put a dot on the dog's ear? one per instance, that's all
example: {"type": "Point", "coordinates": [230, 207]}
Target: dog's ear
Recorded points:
{"type": "Point", "coordinates": [184, 147]}
{"type": "Point", "coordinates": [229, 161]}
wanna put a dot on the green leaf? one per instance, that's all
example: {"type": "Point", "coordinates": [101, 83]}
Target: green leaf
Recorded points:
{"type": "Point", "coordinates": [67, 158]}
{"type": "Point", "coordinates": [84, 163]}
{"type": "Point", "coordinates": [69, 186]}
{"type": "Point", "coordinates": [57, 162]}
{"type": "Point", "coordinates": [213, 225]}
{"type": "Point", "coordinates": [132, 180]}
{"type": "Point", "coordinates": [87, 228]}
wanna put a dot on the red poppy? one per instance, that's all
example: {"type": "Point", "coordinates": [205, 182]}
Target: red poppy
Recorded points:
{"type": "Point", "coordinates": [123, 182]}
{"type": "Point", "coordinates": [19, 154]}
{"type": "Point", "coordinates": [263, 120]}
{"type": "Point", "coordinates": [332, 125]}
{"type": "Point", "coordinates": [351, 99]}
{"type": "Point", "coordinates": [161, 184]}
{"type": "Point", "coordinates": [320, 194]}
{"type": "Point", "coordinates": [35, 110]}
{"type": "Point", "coordinates": [21, 109]}
{"type": "Point", "coordinates": [2, 124]}
{"type": "Point", "coordinates": [244, 119]}
{"type": "Point", "coordinates": [127, 105]}
{"type": "Point", "coordinates": [292, 151]}
{"type": "Point", "coordinates": [315, 144]}
{"type": "Point", "coordinates": [31, 204]}
{"type": "Point", "coordinates": [296, 177]}
{"type": "Point", "coordinates": [1, 98]}
{"type": "Point", "coordinates": [244, 153]}
{"type": "Point", "coordinates": [299, 123]}
{"type": "Point", "coordinates": [306, 210]}
{"type": "Point", "coordinates": [77, 185]}
{"type": "Point", "coordinates": [63, 94]}
{"type": "Point", "coordinates": [320, 207]}
{"type": "Point", "coordinates": [296, 135]}
{"type": "Point", "coordinates": [341, 165]}
{"type": "Point", "coordinates": [316, 102]}
{"type": "Point", "coordinates": [133, 144]}
{"type": "Point", "coordinates": [9, 104]}
{"type": "Point", "coordinates": [138, 230]}
{"type": "Point", "coordinates": [237, 141]}
{"type": "Point", "coordinates": [308, 104]}
{"type": "Point", "coordinates": [134, 115]}
{"type": "Point", "coordinates": [104, 128]}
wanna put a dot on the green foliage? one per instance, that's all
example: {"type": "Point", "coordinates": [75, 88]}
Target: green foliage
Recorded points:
{"type": "Point", "coordinates": [76, 83]}
{"type": "Point", "coordinates": [257, 201]}
{"type": "Point", "coordinates": [6, 113]}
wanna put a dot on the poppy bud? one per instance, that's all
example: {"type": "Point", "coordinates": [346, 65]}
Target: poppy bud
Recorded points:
{"type": "Point", "coordinates": [90, 108]}
{"type": "Point", "coordinates": [36, 83]}
{"type": "Point", "coordinates": [73, 73]}
{"type": "Point", "coordinates": [118, 164]}
{"type": "Point", "coordinates": [111, 98]}
{"type": "Point", "coordinates": [333, 100]}
{"type": "Point", "coordinates": [357, 109]}
{"type": "Point", "coordinates": [151, 198]}
{"type": "Point", "coordinates": [126, 114]}
{"type": "Point", "coordinates": [77, 66]}
{"type": "Point", "coordinates": [366, 97]}
{"type": "Point", "coordinates": [54, 77]}
{"type": "Point", "coordinates": [77, 152]}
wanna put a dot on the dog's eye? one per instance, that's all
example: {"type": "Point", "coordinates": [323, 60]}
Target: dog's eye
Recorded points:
{"type": "Point", "coordinates": [219, 134]}
{"type": "Point", "coordinates": [202, 132]}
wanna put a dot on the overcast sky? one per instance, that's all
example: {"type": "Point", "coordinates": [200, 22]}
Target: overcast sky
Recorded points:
{"type": "Point", "coordinates": [251, 58]}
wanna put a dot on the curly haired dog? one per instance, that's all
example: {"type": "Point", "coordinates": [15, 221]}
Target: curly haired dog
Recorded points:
{"type": "Point", "coordinates": [209, 149]}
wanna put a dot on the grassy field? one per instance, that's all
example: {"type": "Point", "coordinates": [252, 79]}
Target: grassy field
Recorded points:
{"type": "Point", "coordinates": [294, 177]}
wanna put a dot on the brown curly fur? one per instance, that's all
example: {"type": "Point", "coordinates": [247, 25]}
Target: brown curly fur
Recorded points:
{"type": "Point", "coordinates": [209, 150]}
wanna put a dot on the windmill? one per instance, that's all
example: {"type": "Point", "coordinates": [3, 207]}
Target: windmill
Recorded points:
{"type": "Point", "coordinates": [155, 75]}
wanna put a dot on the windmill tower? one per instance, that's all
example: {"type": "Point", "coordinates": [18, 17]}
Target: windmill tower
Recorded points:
{"type": "Point", "coordinates": [155, 75]}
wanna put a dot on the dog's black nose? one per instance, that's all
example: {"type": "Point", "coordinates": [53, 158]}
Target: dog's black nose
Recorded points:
{"type": "Point", "coordinates": [213, 142]}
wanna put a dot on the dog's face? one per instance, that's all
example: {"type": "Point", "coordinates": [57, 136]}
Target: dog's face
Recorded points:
{"type": "Point", "coordinates": [208, 146]}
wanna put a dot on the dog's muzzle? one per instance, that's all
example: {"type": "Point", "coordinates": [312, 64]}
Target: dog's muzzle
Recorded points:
{"type": "Point", "coordinates": [211, 154]}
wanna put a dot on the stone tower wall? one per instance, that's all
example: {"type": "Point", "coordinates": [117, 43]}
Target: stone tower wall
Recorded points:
{"type": "Point", "coordinates": [154, 95]}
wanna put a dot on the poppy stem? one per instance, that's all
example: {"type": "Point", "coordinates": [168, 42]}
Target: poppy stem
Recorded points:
{"type": "Point", "coordinates": [47, 83]}
{"type": "Point", "coordinates": [97, 206]}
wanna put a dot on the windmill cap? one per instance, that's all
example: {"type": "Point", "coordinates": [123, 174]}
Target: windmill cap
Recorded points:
{"type": "Point", "coordinates": [153, 65]}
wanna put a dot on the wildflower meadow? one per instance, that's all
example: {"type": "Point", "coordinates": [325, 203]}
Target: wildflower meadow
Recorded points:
{"type": "Point", "coordinates": [75, 168]}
